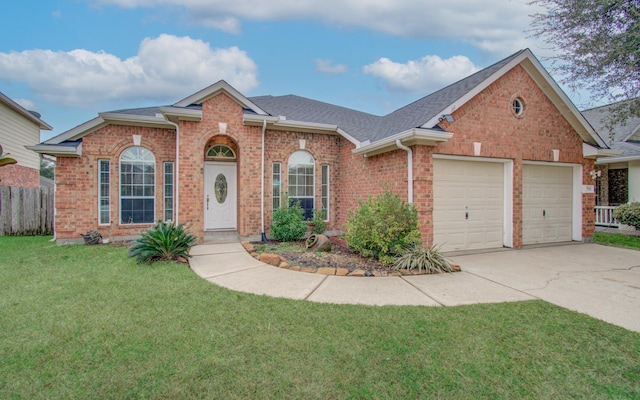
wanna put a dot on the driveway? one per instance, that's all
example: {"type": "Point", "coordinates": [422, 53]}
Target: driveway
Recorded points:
{"type": "Point", "coordinates": [601, 281]}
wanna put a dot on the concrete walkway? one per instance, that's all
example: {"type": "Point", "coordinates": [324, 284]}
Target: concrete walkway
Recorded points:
{"type": "Point", "coordinates": [601, 281]}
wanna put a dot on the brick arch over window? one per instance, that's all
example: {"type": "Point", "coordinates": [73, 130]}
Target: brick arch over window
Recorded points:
{"type": "Point", "coordinates": [221, 140]}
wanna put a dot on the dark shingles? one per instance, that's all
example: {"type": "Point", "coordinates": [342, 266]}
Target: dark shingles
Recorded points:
{"type": "Point", "coordinates": [364, 126]}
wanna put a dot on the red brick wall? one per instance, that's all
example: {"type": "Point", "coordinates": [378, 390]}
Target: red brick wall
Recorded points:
{"type": "Point", "coordinates": [17, 175]}
{"type": "Point", "coordinates": [77, 180]}
{"type": "Point", "coordinates": [487, 118]}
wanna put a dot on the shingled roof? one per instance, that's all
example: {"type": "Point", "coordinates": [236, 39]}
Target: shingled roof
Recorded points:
{"type": "Point", "coordinates": [369, 132]}
{"type": "Point", "coordinates": [625, 138]}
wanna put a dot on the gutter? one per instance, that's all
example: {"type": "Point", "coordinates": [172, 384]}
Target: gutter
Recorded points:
{"type": "Point", "coordinates": [264, 236]}
{"type": "Point", "coordinates": [409, 170]}
{"type": "Point", "coordinates": [428, 137]}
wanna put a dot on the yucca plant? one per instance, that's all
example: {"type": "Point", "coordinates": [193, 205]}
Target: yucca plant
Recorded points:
{"type": "Point", "coordinates": [163, 242]}
{"type": "Point", "coordinates": [418, 258]}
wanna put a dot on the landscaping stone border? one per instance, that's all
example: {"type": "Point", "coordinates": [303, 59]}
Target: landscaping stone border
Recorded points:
{"type": "Point", "coordinates": [279, 261]}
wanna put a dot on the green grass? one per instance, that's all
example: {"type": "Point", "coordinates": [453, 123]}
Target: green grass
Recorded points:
{"type": "Point", "coordinates": [82, 322]}
{"type": "Point", "coordinates": [617, 239]}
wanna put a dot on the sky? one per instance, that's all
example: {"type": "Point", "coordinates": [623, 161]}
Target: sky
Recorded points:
{"type": "Point", "coordinates": [70, 59]}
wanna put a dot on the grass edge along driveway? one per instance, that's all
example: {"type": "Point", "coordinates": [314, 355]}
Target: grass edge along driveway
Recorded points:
{"type": "Point", "coordinates": [87, 322]}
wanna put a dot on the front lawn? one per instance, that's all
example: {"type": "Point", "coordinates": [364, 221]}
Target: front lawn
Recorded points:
{"type": "Point", "coordinates": [617, 239]}
{"type": "Point", "coordinates": [87, 322]}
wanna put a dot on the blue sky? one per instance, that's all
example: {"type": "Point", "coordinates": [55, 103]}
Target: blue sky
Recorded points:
{"type": "Point", "coordinates": [70, 59]}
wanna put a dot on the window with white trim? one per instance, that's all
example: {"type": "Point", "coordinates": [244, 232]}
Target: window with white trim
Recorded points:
{"type": "Point", "coordinates": [168, 191]}
{"type": "Point", "coordinates": [325, 191]}
{"type": "Point", "coordinates": [302, 181]}
{"type": "Point", "coordinates": [137, 186]}
{"type": "Point", "coordinates": [104, 199]}
{"type": "Point", "coordinates": [276, 185]}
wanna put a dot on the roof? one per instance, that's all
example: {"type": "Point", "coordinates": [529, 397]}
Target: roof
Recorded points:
{"type": "Point", "coordinates": [415, 123]}
{"type": "Point", "coordinates": [30, 115]}
{"type": "Point", "coordinates": [625, 137]}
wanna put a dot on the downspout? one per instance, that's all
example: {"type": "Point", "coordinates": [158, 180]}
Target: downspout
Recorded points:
{"type": "Point", "coordinates": [409, 168]}
{"type": "Point", "coordinates": [176, 173]}
{"type": "Point", "coordinates": [264, 237]}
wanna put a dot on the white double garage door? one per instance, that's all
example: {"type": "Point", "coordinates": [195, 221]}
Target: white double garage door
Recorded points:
{"type": "Point", "coordinates": [473, 203]}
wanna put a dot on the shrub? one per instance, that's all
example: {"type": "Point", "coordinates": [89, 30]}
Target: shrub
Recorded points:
{"type": "Point", "coordinates": [318, 221]}
{"type": "Point", "coordinates": [429, 259]}
{"type": "Point", "coordinates": [628, 214]}
{"type": "Point", "coordinates": [163, 242]}
{"type": "Point", "coordinates": [288, 222]}
{"type": "Point", "coordinates": [382, 227]}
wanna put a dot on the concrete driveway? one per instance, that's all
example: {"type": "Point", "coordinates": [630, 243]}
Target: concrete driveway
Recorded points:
{"type": "Point", "coordinates": [601, 281]}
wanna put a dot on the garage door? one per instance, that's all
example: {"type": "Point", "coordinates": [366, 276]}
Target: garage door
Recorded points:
{"type": "Point", "coordinates": [547, 204]}
{"type": "Point", "coordinates": [468, 204]}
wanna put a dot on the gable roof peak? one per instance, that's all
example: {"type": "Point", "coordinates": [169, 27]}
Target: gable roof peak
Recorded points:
{"type": "Point", "coordinates": [212, 90]}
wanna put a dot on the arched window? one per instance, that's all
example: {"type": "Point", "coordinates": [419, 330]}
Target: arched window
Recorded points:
{"type": "Point", "coordinates": [221, 152]}
{"type": "Point", "coordinates": [302, 170]}
{"type": "Point", "coordinates": [137, 186]}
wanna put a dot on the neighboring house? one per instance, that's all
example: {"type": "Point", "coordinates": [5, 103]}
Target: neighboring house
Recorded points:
{"type": "Point", "coordinates": [619, 180]}
{"type": "Point", "coordinates": [500, 158]}
{"type": "Point", "coordinates": [20, 128]}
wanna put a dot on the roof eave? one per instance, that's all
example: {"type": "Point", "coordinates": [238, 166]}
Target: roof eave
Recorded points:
{"type": "Point", "coordinates": [591, 152]}
{"type": "Point", "coordinates": [77, 132]}
{"type": "Point", "coordinates": [184, 114]}
{"type": "Point", "coordinates": [414, 136]}
{"type": "Point", "coordinates": [58, 151]}
{"type": "Point", "coordinates": [24, 112]}
{"type": "Point", "coordinates": [157, 121]}
{"type": "Point", "coordinates": [284, 124]}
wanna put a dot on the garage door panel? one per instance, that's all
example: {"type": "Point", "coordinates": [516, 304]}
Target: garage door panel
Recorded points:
{"type": "Point", "coordinates": [547, 204]}
{"type": "Point", "coordinates": [468, 204]}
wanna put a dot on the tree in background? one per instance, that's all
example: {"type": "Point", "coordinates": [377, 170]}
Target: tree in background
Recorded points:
{"type": "Point", "coordinates": [47, 167]}
{"type": "Point", "coordinates": [597, 43]}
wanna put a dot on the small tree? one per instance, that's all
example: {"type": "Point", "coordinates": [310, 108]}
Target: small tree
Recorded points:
{"type": "Point", "coordinates": [382, 227]}
{"type": "Point", "coordinates": [288, 222]}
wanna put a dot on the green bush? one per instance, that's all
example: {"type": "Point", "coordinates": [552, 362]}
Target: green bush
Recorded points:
{"type": "Point", "coordinates": [382, 227]}
{"type": "Point", "coordinates": [318, 221]}
{"type": "Point", "coordinates": [163, 242]}
{"type": "Point", "coordinates": [628, 214]}
{"type": "Point", "coordinates": [429, 259]}
{"type": "Point", "coordinates": [288, 222]}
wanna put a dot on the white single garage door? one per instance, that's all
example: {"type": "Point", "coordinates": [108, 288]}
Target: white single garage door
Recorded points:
{"type": "Point", "coordinates": [468, 204]}
{"type": "Point", "coordinates": [547, 204]}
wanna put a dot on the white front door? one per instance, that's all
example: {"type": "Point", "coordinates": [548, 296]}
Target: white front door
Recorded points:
{"type": "Point", "coordinates": [220, 195]}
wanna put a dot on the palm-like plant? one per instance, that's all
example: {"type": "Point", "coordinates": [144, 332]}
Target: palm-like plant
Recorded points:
{"type": "Point", "coordinates": [163, 242]}
{"type": "Point", "coordinates": [430, 259]}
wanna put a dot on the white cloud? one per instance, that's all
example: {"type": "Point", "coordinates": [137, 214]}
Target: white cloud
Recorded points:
{"type": "Point", "coordinates": [422, 76]}
{"type": "Point", "coordinates": [57, 14]}
{"type": "Point", "coordinates": [495, 26]}
{"type": "Point", "coordinates": [26, 104]}
{"type": "Point", "coordinates": [328, 67]}
{"type": "Point", "coordinates": [165, 69]}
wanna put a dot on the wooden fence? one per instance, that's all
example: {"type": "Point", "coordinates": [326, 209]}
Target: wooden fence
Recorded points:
{"type": "Point", "coordinates": [26, 211]}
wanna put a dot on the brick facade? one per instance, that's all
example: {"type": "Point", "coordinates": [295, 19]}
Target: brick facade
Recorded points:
{"type": "Point", "coordinates": [20, 176]}
{"type": "Point", "coordinates": [487, 118]}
